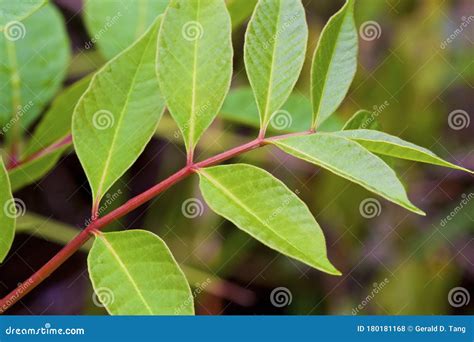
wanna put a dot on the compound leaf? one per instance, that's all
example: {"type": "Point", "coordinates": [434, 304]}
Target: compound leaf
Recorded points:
{"type": "Point", "coordinates": [134, 273]}
{"type": "Point", "coordinates": [350, 160]}
{"type": "Point", "coordinates": [8, 213]}
{"type": "Point", "coordinates": [114, 25]}
{"type": "Point", "coordinates": [118, 114]}
{"type": "Point", "coordinates": [275, 48]}
{"type": "Point", "coordinates": [389, 145]}
{"type": "Point", "coordinates": [334, 63]}
{"type": "Point", "coordinates": [195, 63]}
{"type": "Point", "coordinates": [265, 208]}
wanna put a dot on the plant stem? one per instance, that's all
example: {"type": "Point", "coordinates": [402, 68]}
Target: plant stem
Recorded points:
{"type": "Point", "coordinates": [94, 227]}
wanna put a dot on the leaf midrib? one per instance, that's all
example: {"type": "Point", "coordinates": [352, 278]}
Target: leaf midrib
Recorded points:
{"type": "Point", "coordinates": [120, 119]}
{"type": "Point", "coordinates": [248, 210]}
{"type": "Point", "coordinates": [192, 119]}
{"type": "Point", "coordinates": [126, 272]}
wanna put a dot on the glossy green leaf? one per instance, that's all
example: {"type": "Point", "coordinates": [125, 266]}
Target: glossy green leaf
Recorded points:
{"type": "Point", "coordinates": [389, 145]}
{"type": "Point", "coordinates": [34, 57]}
{"type": "Point", "coordinates": [240, 107]}
{"type": "Point", "coordinates": [114, 25]}
{"type": "Point", "coordinates": [12, 11]}
{"type": "Point", "coordinates": [334, 63]}
{"type": "Point", "coordinates": [265, 208]}
{"type": "Point", "coordinates": [275, 49]}
{"type": "Point", "coordinates": [8, 213]}
{"type": "Point", "coordinates": [195, 63]}
{"type": "Point", "coordinates": [134, 273]}
{"type": "Point", "coordinates": [118, 114]}
{"type": "Point", "coordinates": [362, 119]}
{"type": "Point", "coordinates": [41, 154]}
{"type": "Point", "coordinates": [350, 160]}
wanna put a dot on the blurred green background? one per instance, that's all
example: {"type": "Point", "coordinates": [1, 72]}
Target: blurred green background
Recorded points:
{"type": "Point", "coordinates": [393, 262]}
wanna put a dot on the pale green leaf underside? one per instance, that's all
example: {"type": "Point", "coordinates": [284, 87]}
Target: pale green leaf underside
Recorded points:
{"type": "Point", "coordinates": [334, 63]}
{"type": "Point", "coordinates": [195, 63]}
{"type": "Point", "coordinates": [135, 273]}
{"type": "Point", "coordinates": [389, 145]}
{"type": "Point", "coordinates": [362, 119]}
{"type": "Point", "coordinates": [7, 213]}
{"type": "Point", "coordinates": [33, 65]}
{"type": "Point", "coordinates": [17, 10]}
{"type": "Point", "coordinates": [265, 208]}
{"type": "Point", "coordinates": [115, 24]}
{"type": "Point", "coordinates": [118, 114]}
{"type": "Point", "coordinates": [275, 48]}
{"type": "Point", "coordinates": [350, 160]}
{"type": "Point", "coordinates": [52, 129]}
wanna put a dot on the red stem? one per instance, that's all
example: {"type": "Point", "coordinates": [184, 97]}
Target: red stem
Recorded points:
{"type": "Point", "coordinates": [67, 251]}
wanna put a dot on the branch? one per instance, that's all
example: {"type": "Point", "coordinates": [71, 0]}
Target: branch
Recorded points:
{"type": "Point", "coordinates": [94, 228]}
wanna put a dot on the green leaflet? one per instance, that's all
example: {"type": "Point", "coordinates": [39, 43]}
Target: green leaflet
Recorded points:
{"type": "Point", "coordinates": [334, 63]}
{"type": "Point", "coordinates": [51, 131]}
{"type": "Point", "coordinates": [350, 160]}
{"type": "Point", "coordinates": [240, 107]}
{"type": "Point", "coordinates": [265, 208]}
{"type": "Point", "coordinates": [195, 63]}
{"type": "Point", "coordinates": [114, 25]}
{"type": "Point", "coordinates": [13, 11]}
{"type": "Point", "coordinates": [118, 114]}
{"type": "Point", "coordinates": [274, 53]}
{"type": "Point", "coordinates": [134, 273]}
{"type": "Point", "coordinates": [389, 145]}
{"type": "Point", "coordinates": [34, 57]}
{"type": "Point", "coordinates": [362, 119]}
{"type": "Point", "coordinates": [8, 213]}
